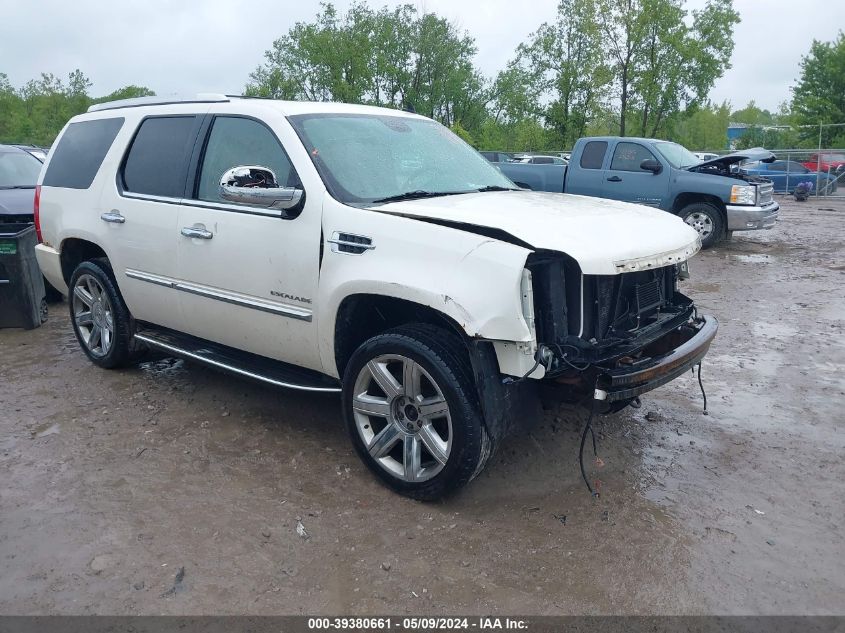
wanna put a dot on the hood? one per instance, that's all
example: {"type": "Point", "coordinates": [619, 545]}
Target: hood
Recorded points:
{"type": "Point", "coordinates": [605, 237]}
{"type": "Point", "coordinates": [17, 201]}
{"type": "Point", "coordinates": [724, 162]}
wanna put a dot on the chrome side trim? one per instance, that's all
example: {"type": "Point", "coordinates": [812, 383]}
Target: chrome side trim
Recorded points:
{"type": "Point", "coordinates": [222, 206]}
{"type": "Point", "coordinates": [150, 278]}
{"type": "Point", "coordinates": [235, 370]}
{"type": "Point", "coordinates": [289, 311]}
{"type": "Point", "coordinates": [292, 312]}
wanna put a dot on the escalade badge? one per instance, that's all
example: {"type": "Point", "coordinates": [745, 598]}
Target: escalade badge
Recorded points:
{"type": "Point", "coordinates": [284, 295]}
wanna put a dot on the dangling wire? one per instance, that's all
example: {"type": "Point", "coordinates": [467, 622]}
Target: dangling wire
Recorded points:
{"type": "Point", "coordinates": [588, 427]}
{"type": "Point", "coordinates": [701, 386]}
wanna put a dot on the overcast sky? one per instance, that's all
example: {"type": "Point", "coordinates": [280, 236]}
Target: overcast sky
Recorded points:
{"type": "Point", "coordinates": [213, 45]}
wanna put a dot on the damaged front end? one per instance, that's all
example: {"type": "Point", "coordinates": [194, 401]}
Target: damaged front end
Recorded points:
{"type": "Point", "coordinates": [613, 337]}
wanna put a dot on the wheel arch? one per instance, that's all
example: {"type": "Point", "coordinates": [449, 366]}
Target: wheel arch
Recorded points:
{"type": "Point", "coordinates": [363, 315]}
{"type": "Point", "coordinates": [74, 251]}
{"type": "Point", "coordinates": [683, 200]}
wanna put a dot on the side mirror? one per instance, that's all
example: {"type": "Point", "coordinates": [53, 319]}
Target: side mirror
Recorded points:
{"type": "Point", "coordinates": [652, 165]}
{"type": "Point", "coordinates": [257, 186]}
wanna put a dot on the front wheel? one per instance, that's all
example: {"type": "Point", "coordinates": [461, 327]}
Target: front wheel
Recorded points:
{"type": "Point", "coordinates": [706, 220]}
{"type": "Point", "coordinates": [411, 410]}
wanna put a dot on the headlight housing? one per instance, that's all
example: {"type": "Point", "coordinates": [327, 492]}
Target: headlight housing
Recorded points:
{"type": "Point", "coordinates": [743, 194]}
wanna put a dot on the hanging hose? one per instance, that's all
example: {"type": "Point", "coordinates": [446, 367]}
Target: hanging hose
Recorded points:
{"type": "Point", "coordinates": [588, 427]}
{"type": "Point", "coordinates": [701, 386]}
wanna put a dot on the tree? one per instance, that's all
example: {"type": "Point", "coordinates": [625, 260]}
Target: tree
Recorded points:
{"type": "Point", "coordinates": [37, 111]}
{"type": "Point", "coordinates": [395, 58]}
{"type": "Point", "coordinates": [701, 128]}
{"type": "Point", "coordinates": [563, 60]}
{"type": "Point", "coordinates": [819, 95]}
{"type": "Point", "coordinates": [661, 65]}
{"type": "Point", "coordinates": [752, 115]}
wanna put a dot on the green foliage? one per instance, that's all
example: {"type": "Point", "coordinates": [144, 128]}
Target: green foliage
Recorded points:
{"type": "Point", "coordinates": [752, 115]}
{"type": "Point", "coordinates": [819, 96]}
{"type": "Point", "coordinates": [664, 60]}
{"type": "Point", "coordinates": [771, 137]}
{"type": "Point", "coordinates": [38, 111]}
{"type": "Point", "coordinates": [700, 128]}
{"type": "Point", "coordinates": [395, 58]}
{"type": "Point", "coordinates": [563, 61]}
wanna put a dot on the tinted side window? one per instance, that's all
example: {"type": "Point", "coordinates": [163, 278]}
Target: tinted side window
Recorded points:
{"type": "Point", "coordinates": [628, 156]}
{"type": "Point", "coordinates": [593, 155]}
{"type": "Point", "coordinates": [234, 142]}
{"type": "Point", "coordinates": [157, 160]}
{"type": "Point", "coordinates": [80, 152]}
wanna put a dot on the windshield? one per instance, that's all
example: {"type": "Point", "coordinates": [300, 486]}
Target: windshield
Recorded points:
{"type": "Point", "coordinates": [677, 155]}
{"type": "Point", "coordinates": [833, 157]}
{"type": "Point", "coordinates": [366, 158]}
{"type": "Point", "coordinates": [18, 169]}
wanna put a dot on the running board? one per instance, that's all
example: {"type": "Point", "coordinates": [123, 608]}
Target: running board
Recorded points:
{"type": "Point", "coordinates": [238, 362]}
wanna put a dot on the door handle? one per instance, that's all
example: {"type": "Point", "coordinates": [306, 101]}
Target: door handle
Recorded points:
{"type": "Point", "coordinates": [113, 216]}
{"type": "Point", "coordinates": [614, 179]}
{"type": "Point", "coordinates": [195, 231]}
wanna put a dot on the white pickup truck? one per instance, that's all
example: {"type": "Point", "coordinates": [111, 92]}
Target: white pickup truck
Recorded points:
{"type": "Point", "coordinates": [353, 249]}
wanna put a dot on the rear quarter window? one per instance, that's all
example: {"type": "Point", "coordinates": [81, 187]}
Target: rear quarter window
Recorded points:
{"type": "Point", "coordinates": [593, 155]}
{"type": "Point", "coordinates": [80, 152]}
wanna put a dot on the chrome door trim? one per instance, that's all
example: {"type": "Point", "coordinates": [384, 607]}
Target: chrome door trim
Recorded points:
{"type": "Point", "coordinates": [236, 370]}
{"type": "Point", "coordinates": [292, 312]}
{"type": "Point", "coordinates": [150, 278]}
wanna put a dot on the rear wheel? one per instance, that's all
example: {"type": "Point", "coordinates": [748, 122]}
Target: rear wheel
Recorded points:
{"type": "Point", "coordinates": [411, 411]}
{"type": "Point", "coordinates": [706, 220]}
{"type": "Point", "coordinates": [100, 318]}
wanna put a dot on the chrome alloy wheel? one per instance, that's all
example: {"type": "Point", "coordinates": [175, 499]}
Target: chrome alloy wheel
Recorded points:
{"type": "Point", "coordinates": [701, 222]}
{"type": "Point", "coordinates": [93, 314]}
{"type": "Point", "coordinates": [402, 417]}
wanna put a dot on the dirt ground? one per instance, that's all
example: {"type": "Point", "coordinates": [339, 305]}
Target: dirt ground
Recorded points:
{"type": "Point", "coordinates": [171, 489]}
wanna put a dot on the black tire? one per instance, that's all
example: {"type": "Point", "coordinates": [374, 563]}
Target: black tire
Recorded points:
{"type": "Point", "coordinates": [706, 217]}
{"type": "Point", "coordinates": [443, 356]}
{"type": "Point", "coordinates": [121, 350]}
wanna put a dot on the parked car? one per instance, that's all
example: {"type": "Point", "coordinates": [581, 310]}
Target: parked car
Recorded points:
{"type": "Point", "coordinates": [786, 174]}
{"type": "Point", "coordinates": [702, 156]}
{"type": "Point", "coordinates": [18, 177]}
{"type": "Point", "coordinates": [19, 171]}
{"type": "Point", "coordinates": [826, 162]}
{"type": "Point", "coordinates": [292, 243]}
{"type": "Point", "coordinates": [539, 160]}
{"type": "Point", "coordinates": [711, 196]}
{"type": "Point", "coordinates": [39, 152]}
{"type": "Point", "coordinates": [497, 157]}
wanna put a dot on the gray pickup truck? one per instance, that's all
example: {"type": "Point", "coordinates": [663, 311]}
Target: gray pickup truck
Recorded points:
{"type": "Point", "coordinates": [711, 196]}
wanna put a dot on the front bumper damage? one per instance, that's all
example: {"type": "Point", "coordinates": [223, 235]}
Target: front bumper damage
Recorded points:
{"type": "Point", "coordinates": [660, 362]}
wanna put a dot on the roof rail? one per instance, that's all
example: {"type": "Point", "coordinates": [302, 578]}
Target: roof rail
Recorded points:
{"type": "Point", "coordinates": [137, 102]}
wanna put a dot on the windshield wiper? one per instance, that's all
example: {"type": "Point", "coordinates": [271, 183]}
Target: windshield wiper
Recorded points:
{"type": "Point", "coordinates": [416, 195]}
{"type": "Point", "coordinates": [17, 186]}
{"type": "Point", "coordinates": [495, 188]}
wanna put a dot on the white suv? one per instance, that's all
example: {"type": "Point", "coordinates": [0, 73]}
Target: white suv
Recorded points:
{"type": "Point", "coordinates": [371, 252]}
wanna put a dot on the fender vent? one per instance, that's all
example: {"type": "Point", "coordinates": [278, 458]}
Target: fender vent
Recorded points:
{"type": "Point", "coordinates": [350, 244]}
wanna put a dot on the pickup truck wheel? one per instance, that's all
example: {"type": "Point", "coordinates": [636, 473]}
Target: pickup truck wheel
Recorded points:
{"type": "Point", "coordinates": [100, 318]}
{"type": "Point", "coordinates": [411, 410]}
{"type": "Point", "coordinates": [706, 219]}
